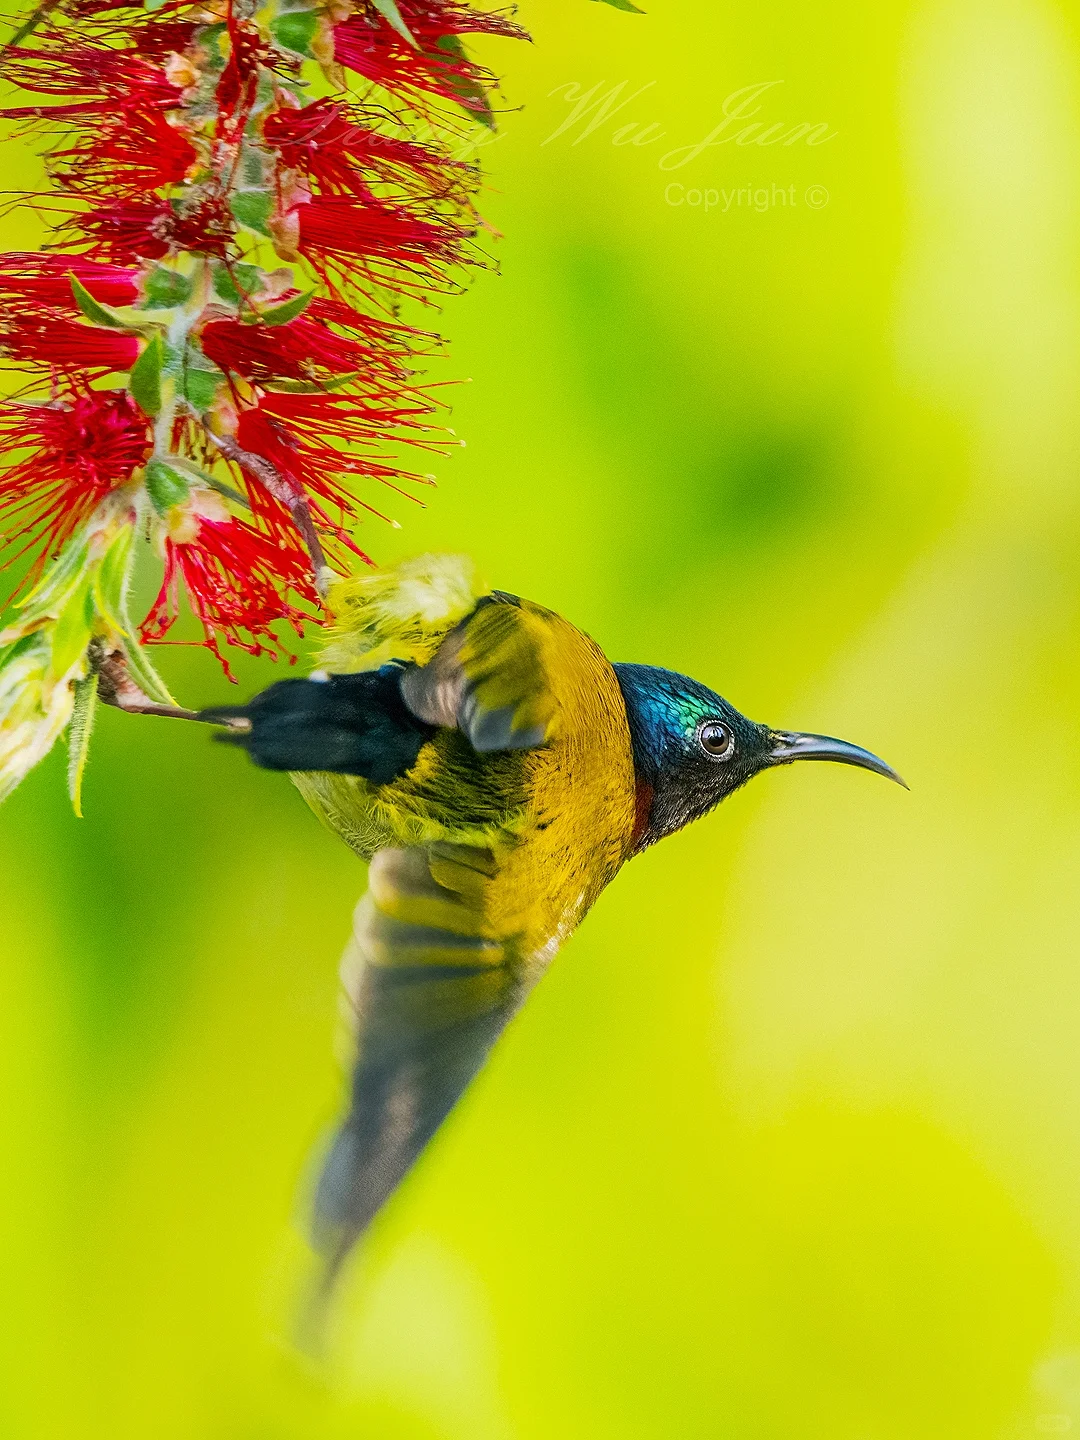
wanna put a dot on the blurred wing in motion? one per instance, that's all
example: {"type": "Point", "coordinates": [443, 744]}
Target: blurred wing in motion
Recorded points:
{"type": "Point", "coordinates": [491, 677]}
{"type": "Point", "coordinates": [430, 986]}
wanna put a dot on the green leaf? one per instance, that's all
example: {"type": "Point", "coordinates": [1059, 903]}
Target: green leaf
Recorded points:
{"type": "Point", "coordinates": [252, 209]}
{"type": "Point", "coordinates": [144, 381]}
{"type": "Point", "coordinates": [390, 11]}
{"type": "Point", "coordinates": [152, 5]}
{"type": "Point", "coordinates": [166, 288]}
{"type": "Point", "coordinates": [470, 93]}
{"type": "Point", "coordinates": [214, 483]}
{"type": "Point", "coordinates": [94, 311]}
{"type": "Point", "coordinates": [60, 579]}
{"type": "Point", "coordinates": [82, 724]}
{"type": "Point", "coordinates": [314, 387]}
{"type": "Point", "coordinates": [111, 580]}
{"type": "Point", "coordinates": [165, 486]}
{"type": "Point", "coordinates": [295, 30]}
{"type": "Point", "coordinates": [18, 647]}
{"type": "Point", "coordinates": [256, 168]}
{"type": "Point", "coordinates": [122, 318]}
{"type": "Point", "coordinates": [283, 313]}
{"type": "Point", "coordinates": [172, 358]}
{"type": "Point", "coordinates": [236, 282]}
{"type": "Point", "coordinates": [30, 24]}
{"type": "Point", "coordinates": [625, 5]}
{"type": "Point", "coordinates": [73, 629]}
{"type": "Point", "coordinates": [200, 387]}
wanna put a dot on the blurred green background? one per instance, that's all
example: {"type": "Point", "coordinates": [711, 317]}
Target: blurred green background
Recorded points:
{"type": "Point", "coordinates": [788, 1142]}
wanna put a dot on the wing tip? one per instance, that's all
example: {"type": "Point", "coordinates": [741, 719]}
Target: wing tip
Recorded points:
{"type": "Point", "coordinates": [493, 730]}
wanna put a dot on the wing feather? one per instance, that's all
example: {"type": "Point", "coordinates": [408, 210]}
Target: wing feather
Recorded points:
{"type": "Point", "coordinates": [490, 678]}
{"type": "Point", "coordinates": [478, 872]}
{"type": "Point", "coordinates": [430, 987]}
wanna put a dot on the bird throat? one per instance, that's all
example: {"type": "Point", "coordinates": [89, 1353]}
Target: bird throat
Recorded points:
{"type": "Point", "coordinates": [643, 803]}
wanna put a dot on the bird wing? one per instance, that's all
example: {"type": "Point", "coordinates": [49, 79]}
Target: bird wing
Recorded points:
{"type": "Point", "coordinates": [429, 984]}
{"type": "Point", "coordinates": [434, 969]}
{"type": "Point", "coordinates": [491, 677]}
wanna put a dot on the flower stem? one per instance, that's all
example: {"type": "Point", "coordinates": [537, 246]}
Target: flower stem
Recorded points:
{"type": "Point", "coordinates": [117, 688]}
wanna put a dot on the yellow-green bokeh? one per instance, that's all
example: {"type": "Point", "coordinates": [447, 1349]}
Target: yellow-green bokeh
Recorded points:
{"type": "Point", "coordinates": [788, 1142]}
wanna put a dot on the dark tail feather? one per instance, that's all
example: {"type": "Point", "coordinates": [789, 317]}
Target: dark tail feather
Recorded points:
{"type": "Point", "coordinates": [349, 724]}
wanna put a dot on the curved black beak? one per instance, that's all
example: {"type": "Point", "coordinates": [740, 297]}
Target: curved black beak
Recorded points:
{"type": "Point", "coordinates": [788, 745]}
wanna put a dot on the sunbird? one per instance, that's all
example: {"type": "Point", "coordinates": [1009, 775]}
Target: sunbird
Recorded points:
{"type": "Point", "coordinates": [497, 770]}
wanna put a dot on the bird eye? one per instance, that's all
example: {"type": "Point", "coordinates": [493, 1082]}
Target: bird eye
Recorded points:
{"type": "Point", "coordinates": [716, 740]}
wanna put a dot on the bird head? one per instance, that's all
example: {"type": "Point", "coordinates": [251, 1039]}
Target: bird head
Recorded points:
{"type": "Point", "coordinates": [692, 749]}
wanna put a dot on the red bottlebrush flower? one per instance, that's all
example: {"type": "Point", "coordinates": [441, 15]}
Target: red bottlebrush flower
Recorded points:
{"type": "Point", "coordinates": [326, 144]}
{"type": "Point", "coordinates": [367, 44]}
{"type": "Point", "coordinates": [130, 154]}
{"type": "Point", "coordinates": [385, 244]}
{"type": "Point", "coordinates": [45, 279]}
{"type": "Point", "coordinates": [155, 35]}
{"type": "Point", "coordinates": [81, 447]}
{"type": "Point", "coordinates": [181, 136]}
{"type": "Point", "coordinates": [390, 348]}
{"type": "Point", "coordinates": [46, 337]}
{"type": "Point", "coordinates": [133, 229]}
{"type": "Point", "coordinates": [239, 80]}
{"type": "Point", "coordinates": [261, 432]}
{"type": "Point", "coordinates": [236, 579]}
{"type": "Point", "coordinates": [105, 80]}
{"type": "Point", "coordinates": [296, 351]}
{"type": "Point", "coordinates": [294, 433]}
{"type": "Point", "coordinates": [315, 419]}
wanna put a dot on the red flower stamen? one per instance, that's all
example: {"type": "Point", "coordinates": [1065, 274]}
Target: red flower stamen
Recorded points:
{"type": "Point", "coordinates": [296, 351]}
{"type": "Point", "coordinates": [126, 156]}
{"type": "Point", "coordinates": [247, 50]}
{"type": "Point", "coordinates": [384, 244]}
{"type": "Point", "coordinates": [45, 279]}
{"type": "Point", "coordinates": [366, 44]}
{"type": "Point", "coordinates": [297, 434]}
{"type": "Point", "coordinates": [46, 337]}
{"type": "Point", "coordinates": [327, 144]}
{"type": "Point", "coordinates": [81, 447]}
{"type": "Point", "coordinates": [132, 230]}
{"type": "Point", "coordinates": [208, 566]}
{"type": "Point", "coordinates": [106, 81]}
